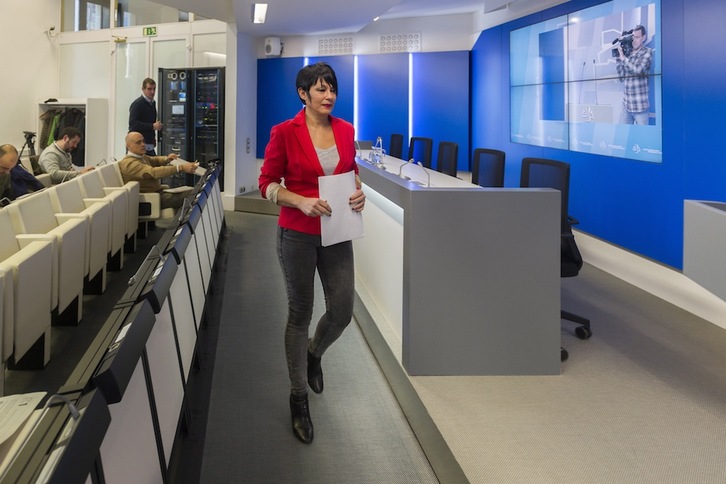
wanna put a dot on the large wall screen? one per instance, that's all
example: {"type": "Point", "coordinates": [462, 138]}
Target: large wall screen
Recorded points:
{"type": "Point", "coordinates": [590, 81]}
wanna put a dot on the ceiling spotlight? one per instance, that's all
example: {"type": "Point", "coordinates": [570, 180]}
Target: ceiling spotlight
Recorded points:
{"type": "Point", "coordinates": [259, 13]}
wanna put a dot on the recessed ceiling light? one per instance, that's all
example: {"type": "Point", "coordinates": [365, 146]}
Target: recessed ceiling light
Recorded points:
{"type": "Point", "coordinates": [259, 13]}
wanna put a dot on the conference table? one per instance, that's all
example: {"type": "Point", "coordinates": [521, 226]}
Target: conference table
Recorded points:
{"type": "Point", "coordinates": [457, 278]}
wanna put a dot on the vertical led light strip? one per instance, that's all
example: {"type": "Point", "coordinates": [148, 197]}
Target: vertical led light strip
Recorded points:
{"type": "Point", "coordinates": [410, 95]}
{"type": "Point", "coordinates": [355, 95]}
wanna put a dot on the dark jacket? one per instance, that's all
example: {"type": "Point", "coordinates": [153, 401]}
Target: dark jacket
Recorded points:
{"type": "Point", "coordinates": [21, 182]}
{"type": "Point", "coordinates": [142, 116]}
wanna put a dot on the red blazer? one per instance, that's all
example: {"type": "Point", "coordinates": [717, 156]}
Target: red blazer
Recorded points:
{"type": "Point", "coordinates": [290, 154]}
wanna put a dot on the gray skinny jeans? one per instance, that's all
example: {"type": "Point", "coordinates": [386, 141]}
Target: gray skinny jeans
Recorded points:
{"type": "Point", "coordinates": [300, 255]}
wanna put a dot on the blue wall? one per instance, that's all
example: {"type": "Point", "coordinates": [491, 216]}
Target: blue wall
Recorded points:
{"type": "Point", "coordinates": [436, 83]}
{"type": "Point", "coordinates": [636, 205]}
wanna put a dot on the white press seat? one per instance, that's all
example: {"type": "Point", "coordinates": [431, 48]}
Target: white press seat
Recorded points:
{"type": "Point", "coordinates": [33, 217]}
{"type": "Point", "coordinates": [25, 292]}
{"type": "Point", "coordinates": [92, 187]}
{"type": "Point", "coordinates": [149, 207]}
{"type": "Point", "coordinates": [112, 180]}
{"type": "Point", "coordinates": [44, 178]}
{"type": "Point", "coordinates": [67, 198]}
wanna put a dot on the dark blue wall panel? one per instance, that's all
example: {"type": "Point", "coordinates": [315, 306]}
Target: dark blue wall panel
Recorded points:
{"type": "Point", "coordinates": [343, 67]}
{"type": "Point", "coordinates": [277, 99]}
{"type": "Point", "coordinates": [636, 205]}
{"type": "Point", "coordinates": [441, 100]}
{"type": "Point", "coordinates": [382, 97]}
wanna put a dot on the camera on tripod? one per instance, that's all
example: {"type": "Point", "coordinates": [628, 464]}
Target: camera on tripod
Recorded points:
{"type": "Point", "coordinates": [626, 42]}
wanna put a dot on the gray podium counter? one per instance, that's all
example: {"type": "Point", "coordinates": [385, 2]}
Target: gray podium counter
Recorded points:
{"type": "Point", "coordinates": [704, 244]}
{"type": "Point", "coordinates": [459, 279]}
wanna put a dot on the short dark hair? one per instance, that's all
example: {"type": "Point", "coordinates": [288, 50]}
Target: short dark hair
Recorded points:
{"type": "Point", "coordinates": [642, 30]}
{"type": "Point", "coordinates": [309, 75]}
{"type": "Point", "coordinates": [71, 132]}
{"type": "Point", "coordinates": [148, 82]}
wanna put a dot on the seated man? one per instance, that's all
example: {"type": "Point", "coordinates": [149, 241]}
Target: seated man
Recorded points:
{"type": "Point", "coordinates": [149, 170]}
{"type": "Point", "coordinates": [15, 180]}
{"type": "Point", "coordinates": [56, 157]}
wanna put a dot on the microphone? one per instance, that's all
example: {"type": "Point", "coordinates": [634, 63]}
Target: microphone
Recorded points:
{"type": "Point", "coordinates": [428, 175]}
{"type": "Point", "coordinates": [102, 162]}
{"type": "Point", "coordinates": [132, 279]}
{"type": "Point", "coordinates": [182, 212]}
{"type": "Point", "coordinates": [71, 407]}
{"type": "Point", "coordinates": [400, 168]}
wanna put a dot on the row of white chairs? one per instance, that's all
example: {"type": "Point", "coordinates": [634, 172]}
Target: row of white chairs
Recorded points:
{"type": "Point", "coordinates": [56, 244]}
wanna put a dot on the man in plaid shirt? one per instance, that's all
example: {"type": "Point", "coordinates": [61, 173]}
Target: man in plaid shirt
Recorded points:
{"type": "Point", "coordinates": [633, 72]}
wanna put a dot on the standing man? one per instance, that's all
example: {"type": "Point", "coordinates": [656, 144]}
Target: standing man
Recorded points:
{"type": "Point", "coordinates": [633, 71]}
{"type": "Point", "coordinates": [56, 160]}
{"type": "Point", "coordinates": [143, 117]}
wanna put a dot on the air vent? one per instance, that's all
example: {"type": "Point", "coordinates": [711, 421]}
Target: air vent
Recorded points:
{"type": "Point", "coordinates": [335, 45]}
{"type": "Point", "coordinates": [407, 42]}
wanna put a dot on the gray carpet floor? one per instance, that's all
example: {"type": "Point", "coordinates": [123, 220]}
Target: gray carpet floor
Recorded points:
{"type": "Point", "coordinates": [643, 400]}
{"type": "Point", "coordinates": [361, 434]}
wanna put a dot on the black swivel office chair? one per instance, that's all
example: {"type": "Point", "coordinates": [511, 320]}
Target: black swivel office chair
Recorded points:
{"type": "Point", "coordinates": [395, 148]}
{"type": "Point", "coordinates": [543, 173]}
{"type": "Point", "coordinates": [364, 144]}
{"type": "Point", "coordinates": [447, 158]}
{"type": "Point", "coordinates": [487, 168]}
{"type": "Point", "coordinates": [420, 149]}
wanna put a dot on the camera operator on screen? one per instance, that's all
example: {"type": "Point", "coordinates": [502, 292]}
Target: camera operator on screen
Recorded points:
{"type": "Point", "coordinates": [633, 65]}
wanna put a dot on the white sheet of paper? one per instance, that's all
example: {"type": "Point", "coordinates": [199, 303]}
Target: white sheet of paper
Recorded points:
{"type": "Point", "coordinates": [199, 171]}
{"type": "Point", "coordinates": [14, 410]}
{"type": "Point", "coordinates": [344, 223]}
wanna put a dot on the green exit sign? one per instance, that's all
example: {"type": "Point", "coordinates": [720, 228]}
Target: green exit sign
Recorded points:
{"type": "Point", "coordinates": [149, 31]}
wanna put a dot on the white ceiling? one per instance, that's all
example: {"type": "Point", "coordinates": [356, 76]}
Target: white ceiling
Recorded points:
{"type": "Point", "coordinates": [315, 17]}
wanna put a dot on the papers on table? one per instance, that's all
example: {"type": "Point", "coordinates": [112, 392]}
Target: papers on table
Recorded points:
{"type": "Point", "coordinates": [18, 416]}
{"type": "Point", "coordinates": [14, 410]}
{"type": "Point", "coordinates": [343, 224]}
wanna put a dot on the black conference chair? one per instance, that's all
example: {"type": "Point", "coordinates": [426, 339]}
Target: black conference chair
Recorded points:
{"type": "Point", "coordinates": [487, 168]}
{"type": "Point", "coordinates": [364, 144]}
{"type": "Point", "coordinates": [447, 158]}
{"type": "Point", "coordinates": [395, 148]}
{"type": "Point", "coordinates": [420, 149]}
{"type": "Point", "coordinates": [544, 173]}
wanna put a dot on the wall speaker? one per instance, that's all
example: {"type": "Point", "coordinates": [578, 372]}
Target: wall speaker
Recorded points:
{"type": "Point", "coordinates": [273, 46]}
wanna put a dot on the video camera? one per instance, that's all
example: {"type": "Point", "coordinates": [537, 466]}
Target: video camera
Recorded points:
{"type": "Point", "coordinates": [626, 42]}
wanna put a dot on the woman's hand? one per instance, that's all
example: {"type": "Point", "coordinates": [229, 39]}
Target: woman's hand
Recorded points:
{"type": "Point", "coordinates": [314, 207]}
{"type": "Point", "coordinates": [358, 200]}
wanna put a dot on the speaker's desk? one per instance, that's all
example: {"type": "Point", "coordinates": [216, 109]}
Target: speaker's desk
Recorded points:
{"type": "Point", "coordinates": [704, 235]}
{"type": "Point", "coordinates": [459, 279]}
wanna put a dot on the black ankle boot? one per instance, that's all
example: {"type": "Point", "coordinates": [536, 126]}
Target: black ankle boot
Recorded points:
{"type": "Point", "coordinates": [302, 425]}
{"type": "Point", "coordinates": [315, 373]}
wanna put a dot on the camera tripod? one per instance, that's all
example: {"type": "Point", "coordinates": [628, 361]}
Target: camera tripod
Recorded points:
{"type": "Point", "coordinates": [29, 142]}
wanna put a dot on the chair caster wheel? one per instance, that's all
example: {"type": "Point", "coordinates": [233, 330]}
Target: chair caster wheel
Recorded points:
{"type": "Point", "coordinates": [583, 332]}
